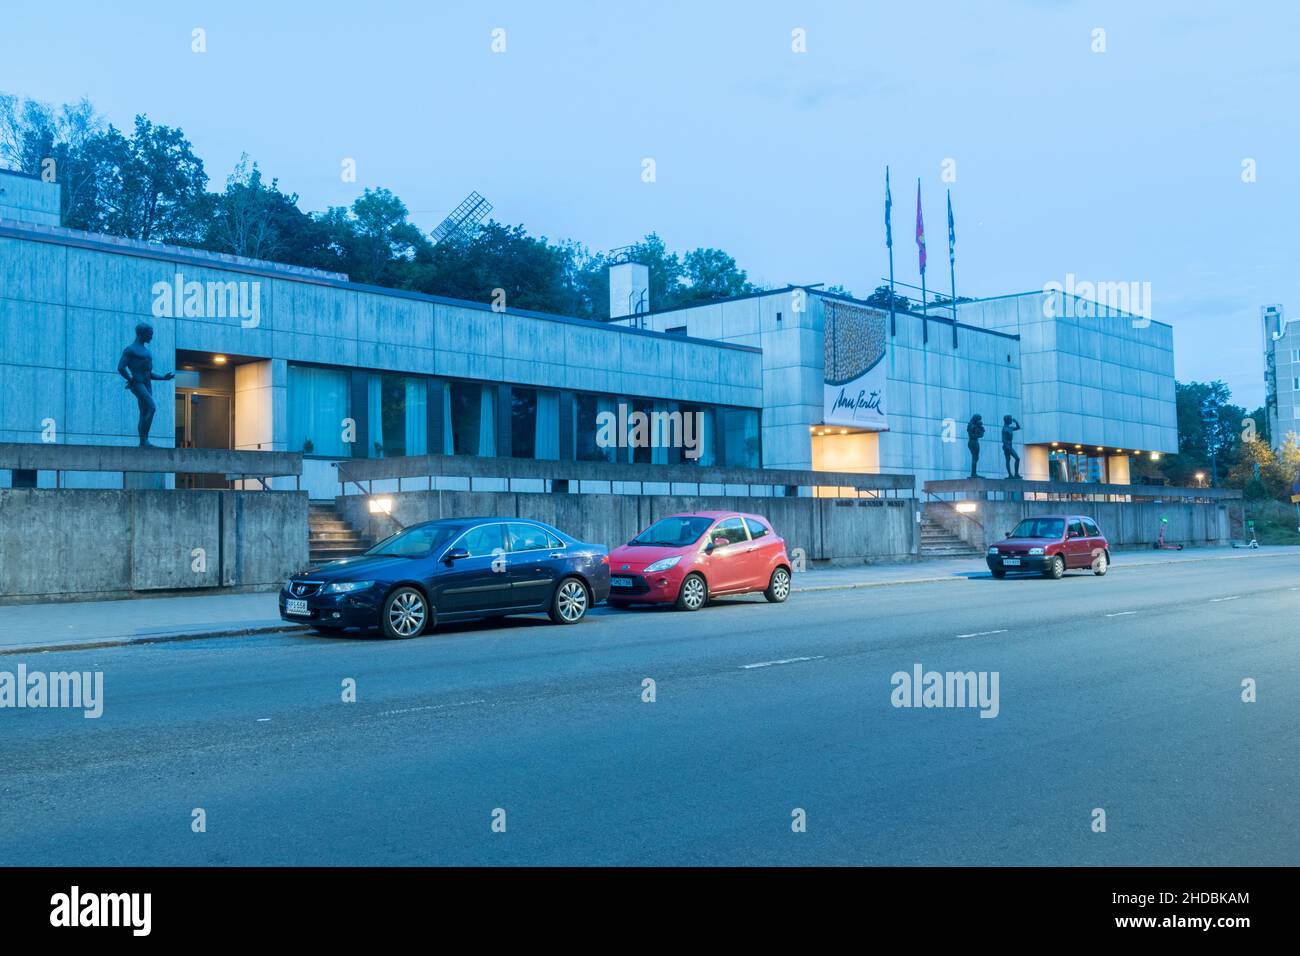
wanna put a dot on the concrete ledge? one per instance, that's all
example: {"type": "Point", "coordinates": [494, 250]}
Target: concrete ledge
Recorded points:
{"type": "Point", "coordinates": [128, 458]}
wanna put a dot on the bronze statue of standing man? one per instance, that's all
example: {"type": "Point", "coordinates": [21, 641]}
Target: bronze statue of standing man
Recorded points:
{"type": "Point", "coordinates": [136, 366]}
{"type": "Point", "coordinates": [1009, 427]}
{"type": "Point", "coordinates": [974, 432]}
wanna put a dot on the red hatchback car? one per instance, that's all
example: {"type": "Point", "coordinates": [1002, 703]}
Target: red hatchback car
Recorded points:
{"type": "Point", "coordinates": [685, 559]}
{"type": "Point", "coordinates": [1050, 545]}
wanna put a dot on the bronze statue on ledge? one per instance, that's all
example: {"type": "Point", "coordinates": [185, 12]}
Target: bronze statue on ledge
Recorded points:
{"type": "Point", "coordinates": [974, 432]}
{"type": "Point", "coordinates": [1010, 426]}
{"type": "Point", "coordinates": [136, 366]}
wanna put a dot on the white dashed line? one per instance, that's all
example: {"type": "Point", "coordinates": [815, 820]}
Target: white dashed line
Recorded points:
{"type": "Point", "coordinates": [264, 720]}
{"type": "Point", "coordinates": [412, 710]}
{"type": "Point", "coordinates": [1217, 600]}
{"type": "Point", "coordinates": [788, 660]}
{"type": "Point", "coordinates": [1120, 613]}
{"type": "Point", "coordinates": [983, 633]}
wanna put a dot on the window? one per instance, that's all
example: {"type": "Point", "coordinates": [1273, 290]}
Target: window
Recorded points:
{"type": "Point", "coordinates": [398, 416]}
{"type": "Point", "coordinates": [591, 442]}
{"type": "Point", "coordinates": [523, 422]}
{"type": "Point", "coordinates": [733, 529]}
{"type": "Point", "coordinates": [527, 537]}
{"type": "Point", "coordinates": [756, 528]}
{"type": "Point", "coordinates": [319, 401]}
{"type": "Point", "coordinates": [1076, 529]}
{"type": "Point", "coordinates": [1091, 528]}
{"type": "Point", "coordinates": [471, 415]}
{"type": "Point", "coordinates": [482, 541]}
{"type": "Point", "coordinates": [681, 329]}
{"type": "Point", "coordinates": [1295, 384]}
{"type": "Point", "coordinates": [1295, 355]}
{"type": "Point", "coordinates": [740, 437]}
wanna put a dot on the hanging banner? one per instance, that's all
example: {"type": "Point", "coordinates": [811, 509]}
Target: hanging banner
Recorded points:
{"type": "Point", "coordinates": [854, 342]}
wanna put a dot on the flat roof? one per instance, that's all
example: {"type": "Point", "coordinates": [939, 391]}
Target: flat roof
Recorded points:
{"type": "Point", "coordinates": [180, 255]}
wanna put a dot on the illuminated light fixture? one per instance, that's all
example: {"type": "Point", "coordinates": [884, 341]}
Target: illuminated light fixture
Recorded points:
{"type": "Point", "coordinates": [381, 506]}
{"type": "Point", "coordinates": [844, 431]}
{"type": "Point", "coordinates": [966, 507]}
{"type": "Point", "coordinates": [1101, 448]}
{"type": "Point", "coordinates": [1155, 456]}
{"type": "Point", "coordinates": [1055, 443]}
{"type": "Point", "coordinates": [1077, 447]}
{"type": "Point", "coordinates": [219, 359]}
{"type": "Point", "coordinates": [1200, 476]}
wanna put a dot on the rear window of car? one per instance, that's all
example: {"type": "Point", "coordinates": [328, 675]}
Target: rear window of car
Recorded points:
{"type": "Point", "coordinates": [756, 528]}
{"type": "Point", "coordinates": [1091, 528]}
{"type": "Point", "coordinates": [527, 537]}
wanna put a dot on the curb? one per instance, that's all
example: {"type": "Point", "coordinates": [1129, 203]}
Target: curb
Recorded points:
{"type": "Point", "coordinates": [151, 639]}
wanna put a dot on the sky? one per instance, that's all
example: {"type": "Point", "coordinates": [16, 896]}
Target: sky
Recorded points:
{"type": "Point", "coordinates": [1115, 156]}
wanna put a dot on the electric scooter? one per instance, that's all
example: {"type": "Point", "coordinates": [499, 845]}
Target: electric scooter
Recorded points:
{"type": "Point", "coordinates": [1160, 542]}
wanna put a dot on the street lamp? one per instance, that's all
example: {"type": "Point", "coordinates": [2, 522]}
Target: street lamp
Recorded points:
{"type": "Point", "coordinates": [1200, 478]}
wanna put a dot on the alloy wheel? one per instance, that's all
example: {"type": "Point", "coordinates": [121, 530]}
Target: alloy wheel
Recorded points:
{"type": "Point", "coordinates": [693, 592]}
{"type": "Point", "coordinates": [406, 614]}
{"type": "Point", "coordinates": [572, 601]}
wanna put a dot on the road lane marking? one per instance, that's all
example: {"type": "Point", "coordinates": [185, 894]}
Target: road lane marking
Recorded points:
{"type": "Point", "coordinates": [412, 710]}
{"type": "Point", "coordinates": [1001, 630]}
{"type": "Point", "coordinates": [264, 720]}
{"type": "Point", "coordinates": [788, 660]}
{"type": "Point", "coordinates": [1217, 600]}
{"type": "Point", "coordinates": [1120, 613]}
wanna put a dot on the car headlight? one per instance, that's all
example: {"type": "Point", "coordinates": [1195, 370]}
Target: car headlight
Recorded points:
{"type": "Point", "coordinates": [343, 587]}
{"type": "Point", "coordinates": [1035, 550]}
{"type": "Point", "coordinates": [663, 564]}
{"type": "Point", "coordinates": [993, 550]}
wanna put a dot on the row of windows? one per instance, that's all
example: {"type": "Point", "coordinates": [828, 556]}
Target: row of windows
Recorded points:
{"type": "Point", "coordinates": [397, 412]}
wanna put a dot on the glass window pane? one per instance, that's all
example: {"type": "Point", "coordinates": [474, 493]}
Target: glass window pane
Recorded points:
{"type": "Point", "coordinates": [523, 422]}
{"type": "Point", "coordinates": [318, 400]}
{"type": "Point", "coordinates": [527, 537]}
{"type": "Point", "coordinates": [483, 540]}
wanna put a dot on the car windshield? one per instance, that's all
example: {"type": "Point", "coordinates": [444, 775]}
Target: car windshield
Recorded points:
{"type": "Point", "coordinates": [1040, 528]}
{"type": "Point", "coordinates": [673, 532]}
{"type": "Point", "coordinates": [413, 542]}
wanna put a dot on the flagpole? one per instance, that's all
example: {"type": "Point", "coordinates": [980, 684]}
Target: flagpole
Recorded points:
{"type": "Point", "coordinates": [889, 242]}
{"type": "Point", "coordinates": [952, 269]}
{"type": "Point", "coordinates": [925, 316]}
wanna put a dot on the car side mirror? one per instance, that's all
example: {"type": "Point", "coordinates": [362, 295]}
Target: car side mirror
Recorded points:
{"type": "Point", "coordinates": [455, 554]}
{"type": "Point", "coordinates": [1008, 534]}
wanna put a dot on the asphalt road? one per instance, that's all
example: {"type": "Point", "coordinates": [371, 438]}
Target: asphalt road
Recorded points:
{"type": "Point", "coordinates": [1122, 693]}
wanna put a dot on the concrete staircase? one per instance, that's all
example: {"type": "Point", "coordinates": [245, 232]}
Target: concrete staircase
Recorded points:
{"type": "Point", "coordinates": [938, 542]}
{"type": "Point", "coordinates": [329, 537]}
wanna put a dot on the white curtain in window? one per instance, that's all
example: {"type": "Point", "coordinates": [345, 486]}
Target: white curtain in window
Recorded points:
{"type": "Point", "coordinates": [487, 423]}
{"type": "Point", "coordinates": [708, 421]}
{"type": "Point", "coordinates": [606, 403]}
{"type": "Point", "coordinates": [318, 404]}
{"type": "Point", "coordinates": [448, 431]}
{"type": "Point", "coordinates": [661, 433]}
{"type": "Point", "coordinates": [375, 416]}
{"type": "Point", "coordinates": [546, 445]}
{"type": "Point", "coordinates": [417, 417]}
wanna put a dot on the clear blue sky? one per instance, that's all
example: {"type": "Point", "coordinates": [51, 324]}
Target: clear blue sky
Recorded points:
{"type": "Point", "coordinates": [1116, 166]}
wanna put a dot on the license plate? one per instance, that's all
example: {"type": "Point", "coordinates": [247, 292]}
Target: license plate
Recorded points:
{"type": "Point", "coordinates": [620, 582]}
{"type": "Point", "coordinates": [1011, 562]}
{"type": "Point", "coordinates": [296, 607]}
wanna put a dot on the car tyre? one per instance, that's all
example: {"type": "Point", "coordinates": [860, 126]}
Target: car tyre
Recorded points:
{"type": "Point", "coordinates": [778, 589]}
{"type": "Point", "coordinates": [570, 601]}
{"type": "Point", "coordinates": [1101, 564]}
{"type": "Point", "coordinates": [406, 614]}
{"type": "Point", "coordinates": [1055, 568]}
{"type": "Point", "coordinates": [693, 594]}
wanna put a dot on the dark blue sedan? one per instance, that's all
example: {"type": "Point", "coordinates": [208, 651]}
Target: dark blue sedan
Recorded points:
{"type": "Point", "coordinates": [452, 570]}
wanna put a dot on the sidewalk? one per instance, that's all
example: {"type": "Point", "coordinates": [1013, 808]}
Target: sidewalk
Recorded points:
{"type": "Point", "coordinates": [75, 625]}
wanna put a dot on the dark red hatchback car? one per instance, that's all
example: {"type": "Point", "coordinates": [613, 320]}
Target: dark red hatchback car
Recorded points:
{"type": "Point", "coordinates": [1050, 545]}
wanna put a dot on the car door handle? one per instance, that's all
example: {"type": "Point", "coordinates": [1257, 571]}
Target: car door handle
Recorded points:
{"type": "Point", "coordinates": [754, 548]}
{"type": "Point", "coordinates": [557, 554]}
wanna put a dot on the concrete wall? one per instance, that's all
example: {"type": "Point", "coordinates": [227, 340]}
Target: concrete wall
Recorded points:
{"type": "Point", "coordinates": [843, 531]}
{"type": "Point", "coordinates": [86, 544]}
{"type": "Point", "coordinates": [1092, 375]}
{"type": "Point", "coordinates": [28, 199]}
{"type": "Point", "coordinates": [1125, 524]}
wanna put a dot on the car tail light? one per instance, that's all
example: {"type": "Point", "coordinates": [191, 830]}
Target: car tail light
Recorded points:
{"type": "Point", "coordinates": [604, 559]}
